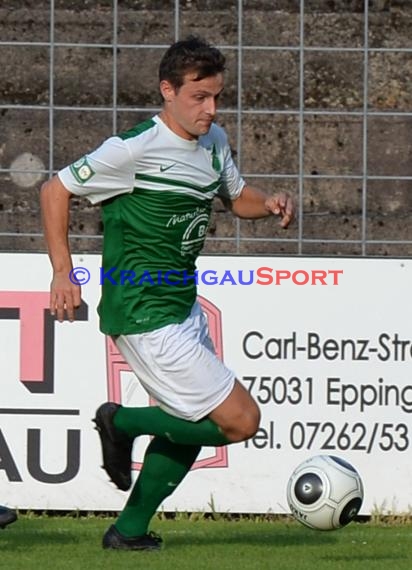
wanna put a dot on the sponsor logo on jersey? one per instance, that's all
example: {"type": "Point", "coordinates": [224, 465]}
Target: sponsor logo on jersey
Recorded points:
{"type": "Point", "coordinates": [194, 235]}
{"type": "Point", "coordinates": [182, 218]}
{"type": "Point", "coordinates": [163, 167]}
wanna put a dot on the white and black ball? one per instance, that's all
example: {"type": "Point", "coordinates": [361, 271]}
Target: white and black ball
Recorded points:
{"type": "Point", "coordinates": [325, 492]}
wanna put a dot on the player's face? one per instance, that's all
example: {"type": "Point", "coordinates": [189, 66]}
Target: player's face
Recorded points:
{"type": "Point", "coordinates": [190, 110]}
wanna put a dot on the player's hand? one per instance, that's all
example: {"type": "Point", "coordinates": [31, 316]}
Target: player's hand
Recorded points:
{"type": "Point", "coordinates": [282, 205]}
{"type": "Point", "coordinates": [65, 296]}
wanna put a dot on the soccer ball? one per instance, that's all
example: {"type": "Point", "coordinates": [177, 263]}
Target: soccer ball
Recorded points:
{"type": "Point", "coordinates": [325, 492]}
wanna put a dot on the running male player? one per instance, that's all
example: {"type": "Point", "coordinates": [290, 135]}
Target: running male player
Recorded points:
{"type": "Point", "coordinates": [156, 183]}
{"type": "Point", "coordinates": [7, 516]}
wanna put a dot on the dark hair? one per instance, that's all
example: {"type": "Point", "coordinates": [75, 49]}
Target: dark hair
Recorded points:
{"type": "Point", "coordinates": [191, 55]}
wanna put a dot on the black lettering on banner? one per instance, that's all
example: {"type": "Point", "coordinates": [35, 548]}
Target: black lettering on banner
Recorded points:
{"type": "Point", "coordinates": [327, 436]}
{"type": "Point", "coordinates": [72, 455]}
{"type": "Point", "coordinates": [280, 390]}
{"type": "Point", "coordinates": [330, 349]}
{"type": "Point", "coordinates": [6, 461]}
{"type": "Point", "coordinates": [362, 396]}
{"type": "Point", "coordinates": [264, 438]}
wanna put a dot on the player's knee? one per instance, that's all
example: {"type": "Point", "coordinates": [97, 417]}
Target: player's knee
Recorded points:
{"type": "Point", "coordinates": [246, 427]}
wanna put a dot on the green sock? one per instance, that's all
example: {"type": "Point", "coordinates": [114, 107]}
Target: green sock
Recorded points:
{"type": "Point", "coordinates": [154, 421]}
{"type": "Point", "coordinates": [165, 465]}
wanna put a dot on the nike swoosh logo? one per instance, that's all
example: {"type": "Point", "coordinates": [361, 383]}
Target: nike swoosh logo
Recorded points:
{"type": "Point", "coordinates": [164, 168]}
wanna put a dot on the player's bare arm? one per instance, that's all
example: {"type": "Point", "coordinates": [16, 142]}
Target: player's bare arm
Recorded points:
{"type": "Point", "coordinates": [65, 296]}
{"type": "Point", "coordinates": [253, 204]}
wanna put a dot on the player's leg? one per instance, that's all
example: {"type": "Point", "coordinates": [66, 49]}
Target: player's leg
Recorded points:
{"type": "Point", "coordinates": [238, 416]}
{"type": "Point", "coordinates": [118, 426]}
{"type": "Point", "coordinates": [233, 420]}
{"type": "Point", "coordinates": [7, 516]}
{"type": "Point", "coordinates": [165, 465]}
{"type": "Point", "coordinates": [169, 458]}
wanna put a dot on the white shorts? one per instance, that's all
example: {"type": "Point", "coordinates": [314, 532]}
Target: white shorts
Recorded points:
{"type": "Point", "coordinates": [177, 365]}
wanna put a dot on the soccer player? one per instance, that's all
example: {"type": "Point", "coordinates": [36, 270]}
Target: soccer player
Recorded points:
{"type": "Point", "coordinates": [7, 516]}
{"type": "Point", "coordinates": [156, 183]}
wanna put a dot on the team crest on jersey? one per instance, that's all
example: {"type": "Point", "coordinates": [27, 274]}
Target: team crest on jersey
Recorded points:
{"type": "Point", "coordinates": [82, 170]}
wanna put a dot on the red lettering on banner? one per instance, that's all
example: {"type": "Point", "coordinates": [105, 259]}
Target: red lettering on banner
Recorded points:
{"type": "Point", "coordinates": [36, 349]}
{"type": "Point", "coordinates": [261, 273]}
{"type": "Point", "coordinates": [30, 307]}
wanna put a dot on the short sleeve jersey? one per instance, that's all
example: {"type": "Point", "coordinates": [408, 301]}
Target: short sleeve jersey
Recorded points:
{"type": "Point", "coordinates": [156, 191]}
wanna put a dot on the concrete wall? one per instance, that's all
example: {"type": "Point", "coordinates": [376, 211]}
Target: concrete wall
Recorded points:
{"type": "Point", "coordinates": [338, 213]}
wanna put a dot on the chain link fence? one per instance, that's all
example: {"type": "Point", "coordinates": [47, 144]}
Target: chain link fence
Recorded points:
{"type": "Point", "coordinates": [317, 102]}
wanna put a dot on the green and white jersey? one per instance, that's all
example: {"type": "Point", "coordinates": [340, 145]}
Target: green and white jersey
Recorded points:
{"type": "Point", "coordinates": [156, 191]}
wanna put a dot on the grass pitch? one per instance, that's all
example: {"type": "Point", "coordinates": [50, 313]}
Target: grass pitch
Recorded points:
{"type": "Point", "coordinates": [67, 543]}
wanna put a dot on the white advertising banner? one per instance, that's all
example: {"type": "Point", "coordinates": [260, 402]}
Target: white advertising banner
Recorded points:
{"type": "Point", "coordinates": [323, 344]}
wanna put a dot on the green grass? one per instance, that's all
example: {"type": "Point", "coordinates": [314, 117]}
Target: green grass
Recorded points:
{"type": "Point", "coordinates": [68, 543]}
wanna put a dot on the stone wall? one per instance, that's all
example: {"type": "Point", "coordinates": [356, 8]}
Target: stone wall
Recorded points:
{"type": "Point", "coordinates": [336, 214]}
